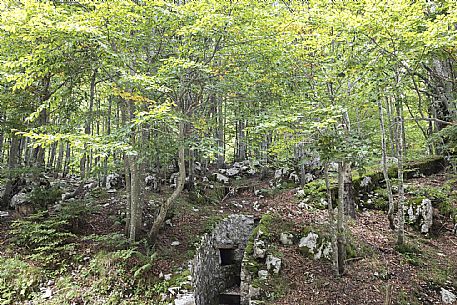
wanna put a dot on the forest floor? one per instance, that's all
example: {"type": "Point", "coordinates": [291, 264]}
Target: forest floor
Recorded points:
{"type": "Point", "coordinates": [413, 277]}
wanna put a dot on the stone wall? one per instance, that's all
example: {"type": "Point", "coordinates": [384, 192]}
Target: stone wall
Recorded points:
{"type": "Point", "coordinates": [210, 277]}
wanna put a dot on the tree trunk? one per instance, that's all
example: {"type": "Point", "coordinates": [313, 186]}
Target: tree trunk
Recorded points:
{"type": "Point", "coordinates": [332, 222]}
{"type": "Point", "coordinates": [340, 234]}
{"type": "Point", "coordinates": [60, 157]}
{"type": "Point", "coordinates": [27, 151]}
{"type": "Point", "coordinates": [128, 190]}
{"type": "Point", "coordinates": [401, 190]}
{"type": "Point", "coordinates": [136, 201]}
{"type": "Point", "coordinates": [385, 169]}
{"type": "Point", "coordinates": [83, 163]}
{"type": "Point", "coordinates": [66, 165]}
{"type": "Point", "coordinates": [349, 202]}
{"type": "Point", "coordinates": [158, 222]}
{"type": "Point", "coordinates": [191, 175]}
{"type": "Point", "coordinates": [390, 125]}
{"type": "Point", "coordinates": [12, 163]}
{"type": "Point", "coordinates": [220, 134]}
{"type": "Point", "coordinates": [241, 141]}
{"type": "Point", "coordinates": [52, 156]}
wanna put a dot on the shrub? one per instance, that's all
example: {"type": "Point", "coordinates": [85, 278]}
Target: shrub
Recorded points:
{"type": "Point", "coordinates": [43, 197]}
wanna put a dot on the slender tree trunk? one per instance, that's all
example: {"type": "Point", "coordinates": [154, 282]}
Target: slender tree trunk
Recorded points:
{"type": "Point", "coordinates": [191, 175]}
{"type": "Point", "coordinates": [160, 219]}
{"type": "Point", "coordinates": [393, 148]}
{"type": "Point", "coordinates": [108, 132]}
{"type": "Point", "coordinates": [27, 152]}
{"type": "Point", "coordinates": [401, 191]}
{"type": "Point", "coordinates": [349, 201]}
{"type": "Point", "coordinates": [12, 163]}
{"type": "Point", "coordinates": [385, 169]}
{"type": "Point", "coordinates": [332, 222]}
{"type": "Point", "coordinates": [2, 139]}
{"type": "Point", "coordinates": [60, 157]}
{"type": "Point", "coordinates": [40, 150]}
{"type": "Point", "coordinates": [241, 141]}
{"type": "Point", "coordinates": [83, 163]}
{"type": "Point", "coordinates": [340, 234]}
{"type": "Point", "coordinates": [52, 155]}
{"type": "Point", "coordinates": [128, 190]}
{"type": "Point", "coordinates": [66, 165]}
{"type": "Point", "coordinates": [220, 132]}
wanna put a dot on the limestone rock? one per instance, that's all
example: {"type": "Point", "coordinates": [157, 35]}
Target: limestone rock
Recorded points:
{"type": "Point", "coordinates": [421, 214]}
{"type": "Point", "coordinates": [259, 249]}
{"type": "Point", "coordinates": [294, 177]}
{"type": "Point", "coordinates": [221, 178]}
{"type": "Point", "coordinates": [114, 181]}
{"type": "Point", "coordinates": [427, 215]}
{"type": "Point", "coordinates": [447, 296]}
{"type": "Point", "coordinates": [19, 199]}
{"type": "Point", "coordinates": [309, 177]}
{"type": "Point", "coordinates": [286, 238]}
{"type": "Point", "coordinates": [185, 299]}
{"type": "Point", "coordinates": [232, 172]}
{"type": "Point", "coordinates": [252, 171]}
{"type": "Point", "coordinates": [300, 193]}
{"type": "Point", "coordinates": [47, 293]}
{"type": "Point", "coordinates": [309, 242]}
{"type": "Point", "coordinates": [263, 274]}
{"type": "Point", "coordinates": [151, 181]}
{"type": "Point", "coordinates": [303, 205]}
{"type": "Point", "coordinates": [365, 181]}
{"type": "Point", "coordinates": [273, 263]}
{"type": "Point", "coordinates": [254, 292]}
{"type": "Point", "coordinates": [324, 250]}
{"type": "Point", "coordinates": [279, 173]}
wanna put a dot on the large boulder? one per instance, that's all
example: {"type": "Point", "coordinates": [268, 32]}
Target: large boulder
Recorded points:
{"type": "Point", "coordinates": [114, 181]}
{"type": "Point", "coordinates": [22, 204]}
{"type": "Point", "coordinates": [20, 199]}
